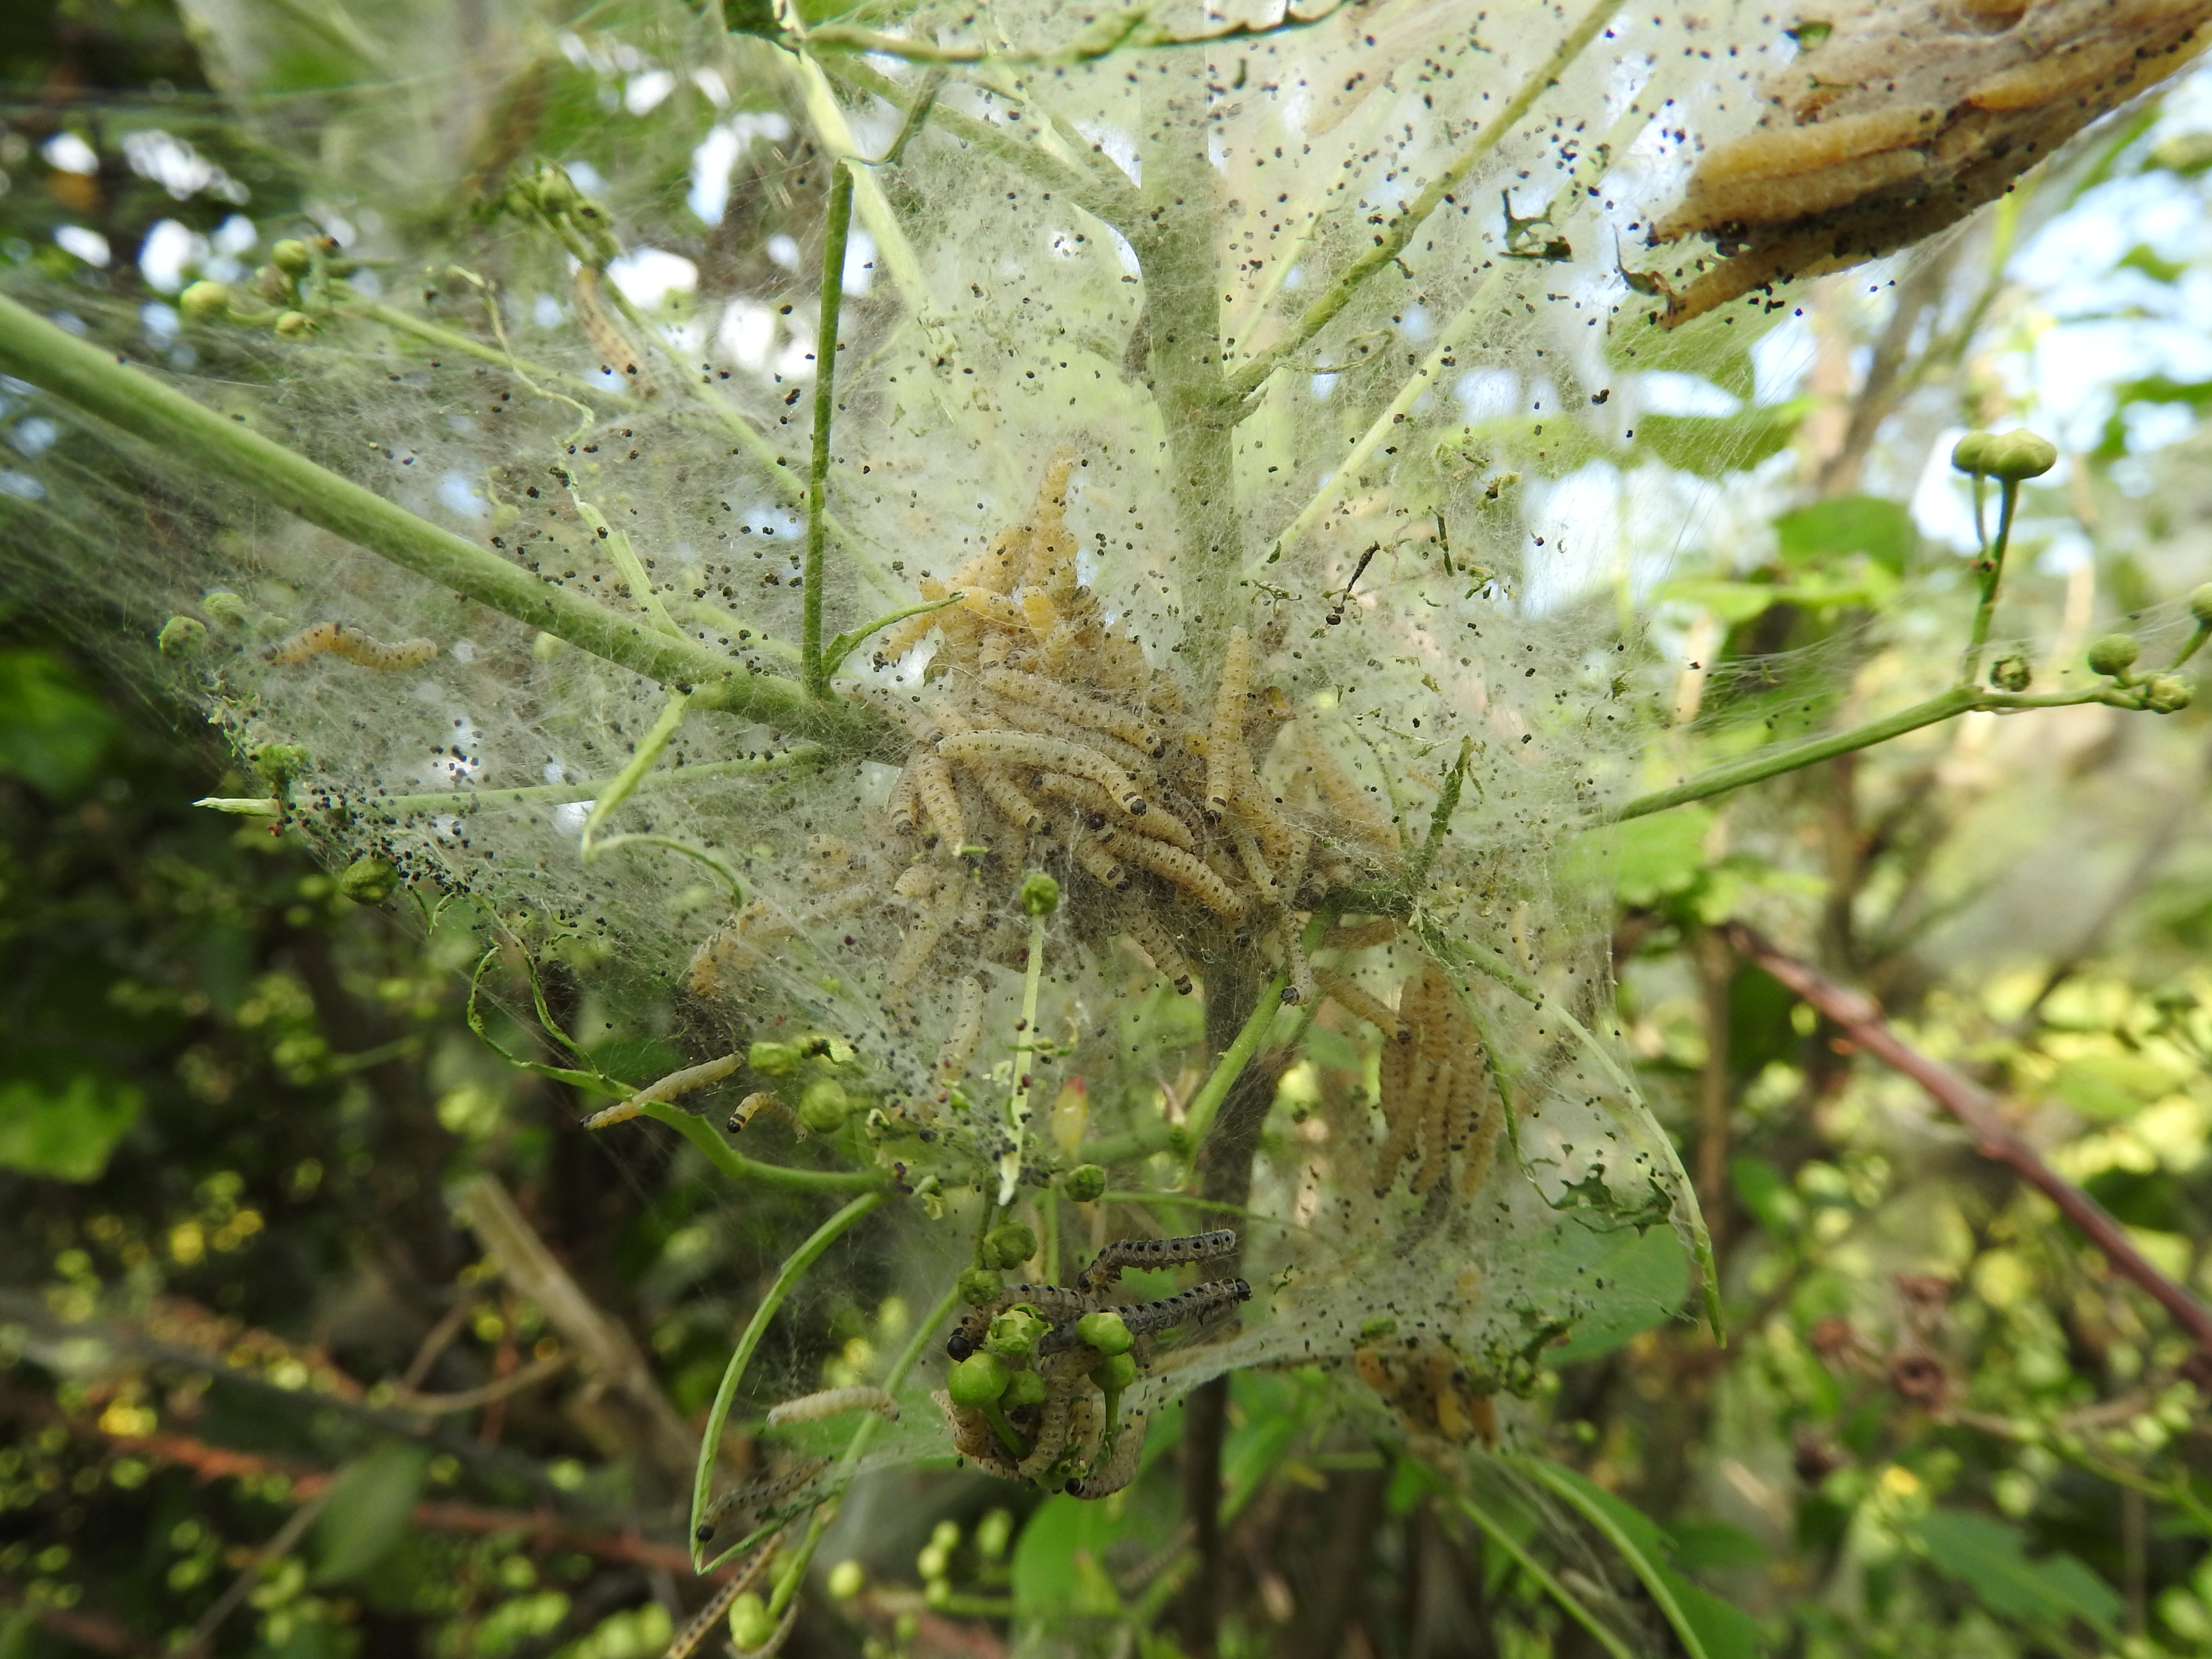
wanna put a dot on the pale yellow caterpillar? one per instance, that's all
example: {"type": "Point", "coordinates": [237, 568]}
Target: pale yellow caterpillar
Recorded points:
{"type": "Point", "coordinates": [1301, 989]}
{"type": "Point", "coordinates": [671, 1087]}
{"type": "Point", "coordinates": [1358, 815]}
{"type": "Point", "coordinates": [994, 610]}
{"type": "Point", "coordinates": [1014, 806]}
{"type": "Point", "coordinates": [1157, 822]}
{"type": "Point", "coordinates": [1156, 942]}
{"type": "Point", "coordinates": [1022, 718]}
{"type": "Point", "coordinates": [830, 1402]}
{"type": "Point", "coordinates": [932, 781]}
{"type": "Point", "coordinates": [1355, 1001]}
{"type": "Point", "coordinates": [1056, 754]}
{"type": "Point", "coordinates": [1361, 935]}
{"type": "Point", "coordinates": [1052, 549]}
{"type": "Point", "coordinates": [1434, 1075]}
{"type": "Point", "coordinates": [750, 1108]}
{"type": "Point", "coordinates": [1225, 754]}
{"type": "Point", "coordinates": [616, 353]}
{"type": "Point", "coordinates": [967, 1034]}
{"type": "Point", "coordinates": [1174, 865]}
{"type": "Point", "coordinates": [1092, 856]}
{"type": "Point", "coordinates": [1075, 708]}
{"type": "Point", "coordinates": [350, 643]}
{"type": "Point", "coordinates": [1255, 862]}
{"type": "Point", "coordinates": [905, 802]}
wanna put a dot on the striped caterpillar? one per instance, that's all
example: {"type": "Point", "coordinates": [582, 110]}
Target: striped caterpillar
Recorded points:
{"type": "Point", "coordinates": [759, 1495]}
{"type": "Point", "coordinates": [832, 1402]}
{"type": "Point", "coordinates": [671, 1087]}
{"type": "Point", "coordinates": [686, 1641]}
{"type": "Point", "coordinates": [337, 639]}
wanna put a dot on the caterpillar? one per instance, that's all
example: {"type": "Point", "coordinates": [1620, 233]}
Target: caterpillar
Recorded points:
{"type": "Point", "coordinates": [932, 781]}
{"type": "Point", "coordinates": [1302, 989]}
{"type": "Point", "coordinates": [1118, 1466]}
{"type": "Point", "coordinates": [1075, 708]}
{"type": "Point", "coordinates": [672, 1086]}
{"type": "Point", "coordinates": [616, 354]}
{"type": "Point", "coordinates": [1199, 1303]}
{"type": "Point", "coordinates": [1056, 754]}
{"type": "Point", "coordinates": [952, 1060]}
{"type": "Point", "coordinates": [1014, 806]}
{"type": "Point", "coordinates": [1362, 935]}
{"type": "Point", "coordinates": [686, 1641]}
{"type": "Point", "coordinates": [832, 1402]}
{"type": "Point", "coordinates": [1173, 864]}
{"type": "Point", "coordinates": [1225, 754]}
{"type": "Point", "coordinates": [905, 802]}
{"type": "Point", "coordinates": [1146, 1253]}
{"type": "Point", "coordinates": [350, 643]}
{"type": "Point", "coordinates": [1357, 1002]}
{"type": "Point", "coordinates": [1156, 942]}
{"type": "Point", "coordinates": [1157, 823]}
{"type": "Point", "coordinates": [750, 1108]}
{"type": "Point", "coordinates": [759, 1494]}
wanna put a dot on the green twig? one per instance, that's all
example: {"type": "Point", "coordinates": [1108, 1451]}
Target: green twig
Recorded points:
{"type": "Point", "coordinates": [718, 1415]}
{"type": "Point", "coordinates": [1417, 873]}
{"type": "Point", "coordinates": [725, 1157]}
{"type": "Point", "coordinates": [1652, 1573]}
{"type": "Point", "coordinates": [1991, 567]}
{"type": "Point", "coordinates": [640, 761]}
{"type": "Point", "coordinates": [1130, 30]}
{"type": "Point", "coordinates": [1017, 1108]}
{"type": "Point", "coordinates": [1392, 240]}
{"type": "Point", "coordinates": [446, 339]}
{"type": "Point", "coordinates": [1207, 1101]}
{"type": "Point", "coordinates": [1543, 1578]}
{"type": "Point", "coordinates": [814, 671]}
{"type": "Point", "coordinates": [1769, 763]}
{"type": "Point", "coordinates": [187, 434]}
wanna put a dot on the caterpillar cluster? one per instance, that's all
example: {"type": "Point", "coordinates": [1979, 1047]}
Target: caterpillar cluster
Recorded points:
{"type": "Point", "coordinates": [1423, 1380]}
{"type": "Point", "coordinates": [1068, 1436]}
{"type": "Point", "coordinates": [1902, 119]}
{"type": "Point", "coordinates": [1049, 742]}
{"type": "Point", "coordinates": [1437, 1099]}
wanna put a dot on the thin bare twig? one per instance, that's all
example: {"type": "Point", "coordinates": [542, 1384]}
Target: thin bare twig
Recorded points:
{"type": "Point", "coordinates": [1856, 1015]}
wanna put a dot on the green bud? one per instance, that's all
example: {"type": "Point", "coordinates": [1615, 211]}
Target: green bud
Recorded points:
{"type": "Point", "coordinates": [2114, 654]}
{"type": "Point", "coordinates": [2200, 605]}
{"type": "Point", "coordinates": [980, 1286]}
{"type": "Point", "coordinates": [994, 1533]}
{"type": "Point", "coordinates": [1105, 1332]}
{"type": "Point", "coordinates": [978, 1380]}
{"type": "Point", "coordinates": [292, 256]}
{"type": "Point", "coordinates": [846, 1579]}
{"type": "Point", "coordinates": [1014, 1333]}
{"type": "Point", "coordinates": [2013, 456]}
{"type": "Point", "coordinates": [824, 1107]}
{"type": "Point", "coordinates": [1024, 1388]}
{"type": "Point", "coordinates": [773, 1059]}
{"type": "Point", "coordinates": [296, 325]}
{"type": "Point", "coordinates": [182, 636]}
{"type": "Point", "coordinates": [1008, 1246]}
{"type": "Point", "coordinates": [368, 881]}
{"type": "Point", "coordinates": [1115, 1374]}
{"type": "Point", "coordinates": [2167, 694]}
{"type": "Point", "coordinates": [1085, 1183]}
{"type": "Point", "coordinates": [556, 191]}
{"type": "Point", "coordinates": [2011, 674]}
{"type": "Point", "coordinates": [1971, 454]}
{"type": "Point", "coordinates": [1040, 894]}
{"type": "Point", "coordinates": [272, 284]}
{"type": "Point", "coordinates": [750, 1626]}
{"type": "Point", "coordinates": [203, 302]}
{"type": "Point", "coordinates": [226, 608]}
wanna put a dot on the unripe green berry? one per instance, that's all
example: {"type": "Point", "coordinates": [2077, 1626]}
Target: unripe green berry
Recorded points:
{"type": "Point", "coordinates": [272, 284]}
{"type": "Point", "coordinates": [204, 302]}
{"type": "Point", "coordinates": [773, 1059]}
{"type": "Point", "coordinates": [368, 881]}
{"type": "Point", "coordinates": [824, 1107]}
{"type": "Point", "coordinates": [226, 608]}
{"type": "Point", "coordinates": [182, 636]}
{"type": "Point", "coordinates": [292, 256]}
{"type": "Point", "coordinates": [980, 1286]}
{"type": "Point", "coordinates": [2015, 456]}
{"type": "Point", "coordinates": [2167, 694]}
{"type": "Point", "coordinates": [1116, 1374]}
{"type": "Point", "coordinates": [1008, 1246]}
{"type": "Point", "coordinates": [2114, 654]}
{"type": "Point", "coordinates": [557, 191]}
{"type": "Point", "coordinates": [1014, 1333]}
{"type": "Point", "coordinates": [1023, 1388]}
{"type": "Point", "coordinates": [978, 1380]}
{"type": "Point", "coordinates": [1085, 1183]}
{"type": "Point", "coordinates": [1040, 894]}
{"type": "Point", "coordinates": [1105, 1332]}
{"type": "Point", "coordinates": [1971, 454]}
{"type": "Point", "coordinates": [846, 1579]}
{"type": "Point", "coordinates": [2200, 605]}
{"type": "Point", "coordinates": [752, 1627]}
{"type": "Point", "coordinates": [295, 325]}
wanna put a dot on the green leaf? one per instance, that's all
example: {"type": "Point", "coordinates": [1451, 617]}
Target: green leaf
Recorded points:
{"type": "Point", "coordinates": [1711, 445]}
{"type": "Point", "coordinates": [2108, 1087]}
{"type": "Point", "coordinates": [1699, 1545]}
{"type": "Point", "coordinates": [1766, 1192]}
{"type": "Point", "coordinates": [1643, 1282]}
{"type": "Point", "coordinates": [367, 1512]}
{"type": "Point", "coordinates": [66, 1136]}
{"type": "Point", "coordinates": [1845, 524]}
{"type": "Point", "coordinates": [1708, 1626]}
{"type": "Point", "coordinates": [1651, 858]}
{"type": "Point", "coordinates": [1058, 1562]}
{"type": "Point", "coordinates": [53, 733]}
{"type": "Point", "coordinates": [1988, 1558]}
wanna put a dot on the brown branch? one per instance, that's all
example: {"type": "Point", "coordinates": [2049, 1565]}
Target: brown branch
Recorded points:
{"type": "Point", "coordinates": [1858, 1018]}
{"type": "Point", "coordinates": [468, 1400]}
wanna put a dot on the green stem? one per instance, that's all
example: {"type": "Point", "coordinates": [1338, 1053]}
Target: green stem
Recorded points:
{"type": "Point", "coordinates": [1542, 1578]}
{"type": "Point", "coordinates": [188, 435]}
{"type": "Point", "coordinates": [1959, 700]}
{"type": "Point", "coordinates": [814, 671]}
{"type": "Point", "coordinates": [788, 1582]}
{"type": "Point", "coordinates": [736, 1165]}
{"type": "Point", "coordinates": [1017, 1108]}
{"type": "Point", "coordinates": [446, 339]}
{"type": "Point", "coordinates": [1230, 1066]}
{"type": "Point", "coordinates": [1417, 874]}
{"type": "Point", "coordinates": [1393, 237]}
{"type": "Point", "coordinates": [718, 1416]}
{"type": "Point", "coordinates": [1992, 573]}
{"type": "Point", "coordinates": [648, 751]}
{"type": "Point", "coordinates": [2191, 645]}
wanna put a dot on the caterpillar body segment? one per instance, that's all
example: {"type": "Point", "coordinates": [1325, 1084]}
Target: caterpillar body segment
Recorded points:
{"type": "Point", "coordinates": [1173, 864]}
{"type": "Point", "coordinates": [1047, 754]}
{"type": "Point", "coordinates": [1200, 1301]}
{"type": "Point", "coordinates": [686, 1641]}
{"type": "Point", "coordinates": [1359, 818]}
{"type": "Point", "coordinates": [905, 807]}
{"type": "Point", "coordinates": [1076, 707]}
{"type": "Point", "coordinates": [1434, 1091]}
{"type": "Point", "coordinates": [832, 1403]}
{"type": "Point", "coordinates": [1225, 754]}
{"type": "Point", "coordinates": [1254, 861]}
{"type": "Point", "coordinates": [675, 1086]}
{"type": "Point", "coordinates": [1105, 807]}
{"type": "Point", "coordinates": [993, 609]}
{"type": "Point", "coordinates": [1143, 1253]}
{"type": "Point", "coordinates": [1100, 865]}
{"type": "Point", "coordinates": [939, 800]}
{"type": "Point", "coordinates": [1153, 939]}
{"type": "Point", "coordinates": [1012, 716]}
{"type": "Point", "coordinates": [1362, 935]}
{"type": "Point", "coordinates": [1011, 803]}
{"type": "Point", "coordinates": [337, 639]}
{"type": "Point", "coordinates": [759, 1494]}
{"type": "Point", "coordinates": [1051, 1438]}
{"type": "Point", "coordinates": [967, 1034]}
{"type": "Point", "coordinates": [1302, 989]}
{"type": "Point", "coordinates": [1354, 1001]}
{"type": "Point", "coordinates": [749, 1108]}
{"type": "Point", "coordinates": [1121, 1460]}
{"type": "Point", "coordinates": [616, 354]}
